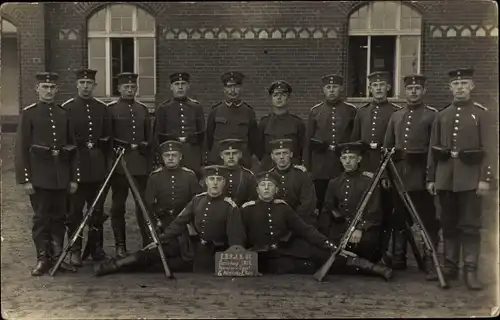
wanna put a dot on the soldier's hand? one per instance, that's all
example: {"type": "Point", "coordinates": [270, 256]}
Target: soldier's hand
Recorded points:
{"type": "Point", "coordinates": [28, 188]}
{"type": "Point", "coordinates": [431, 187]}
{"type": "Point", "coordinates": [159, 226]}
{"type": "Point", "coordinates": [356, 236]}
{"type": "Point", "coordinates": [337, 214]}
{"type": "Point", "coordinates": [73, 186]}
{"type": "Point", "coordinates": [482, 188]}
{"type": "Point", "coordinates": [386, 184]}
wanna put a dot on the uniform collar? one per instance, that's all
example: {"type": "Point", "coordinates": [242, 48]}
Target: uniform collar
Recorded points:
{"type": "Point", "coordinates": [415, 106]}
{"type": "Point", "coordinates": [215, 198]}
{"type": "Point", "coordinates": [180, 99]}
{"type": "Point", "coordinates": [380, 103]}
{"type": "Point", "coordinates": [332, 103]}
{"type": "Point", "coordinates": [233, 103]}
{"type": "Point", "coordinates": [127, 100]}
{"type": "Point", "coordinates": [43, 103]}
{"type": "Point", "coordinates": [461, 103]}
{"type": "Point", "coordinates": [353, 174]}
{"type": "Point", "coordinates": [234, 168]}
{"type": "Point", "coordinates": [284, 170]}
{"type": "Point", "coordinates": [280, 116]}
{"type": "Point", "coordinates": [173, 169]}
{"type": "Point", "coordinates": [84, 99]}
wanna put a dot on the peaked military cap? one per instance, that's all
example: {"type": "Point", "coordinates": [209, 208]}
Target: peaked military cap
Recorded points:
{"type": "Point", "coordinates": [47, 77]}
{"type": "Point", "coordinates": [268, 176]}
{"type": "Point", "coordinates": [280, 85]}
{"type": "Point", "coordinates": [415, 79]}
{"type": "Point", "coordinates": [179, 76]}
{"type": "Point", "coordinates": [171, 145]}
{"type": "Point", "coordinates": [232, 78]}
{"type": "Point", "coordinates": [281, 144]}
{"type": "Point", "coordinates": [461, 73]}
{"type": "Point", "coordinates": [230, 144]}
{"type": "Point", "coordinates": [85, 74]}
{"type": "Point", "coordinates": [127, 77]}
{"type": "Point", "coordinates": [332, 79]}
{"type": "Point", "coordinates": [215, 170]}
{"type": "Point", "coordinates": [358, 147]}
{"type": "Point", "coordinates": [379, 76]}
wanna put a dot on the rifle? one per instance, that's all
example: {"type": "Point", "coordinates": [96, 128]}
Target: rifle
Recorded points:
{"type": "Point", "coordinates": [87, 216]}
{"type": "Point", "coordinates": [321, 273]}
{"type": "Point", "coordinates": [148, 220]}
{"type": "Point", "coordinates": [416, 218]}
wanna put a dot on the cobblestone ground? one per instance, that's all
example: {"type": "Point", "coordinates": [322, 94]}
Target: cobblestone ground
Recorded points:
{"type": "Point", "coordinates": [144, 295]}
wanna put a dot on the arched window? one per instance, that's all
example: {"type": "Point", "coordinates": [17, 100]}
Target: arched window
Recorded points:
{"type": "Point", "coordinates": [383, 35]}
{"type": "Point", "coordinates": [121, 38]}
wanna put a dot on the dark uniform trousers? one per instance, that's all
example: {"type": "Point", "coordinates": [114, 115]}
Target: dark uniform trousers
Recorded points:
{"type": "Point", "coordinates": [120, 189]}
{"type": "Point", "coordinates": [86, 194]}
{"type": "Point", "coordinates": [49, 207]}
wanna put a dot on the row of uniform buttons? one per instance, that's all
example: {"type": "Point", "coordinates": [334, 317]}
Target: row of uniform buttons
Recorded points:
{"type": "Point", "coordinates": [407, 130]}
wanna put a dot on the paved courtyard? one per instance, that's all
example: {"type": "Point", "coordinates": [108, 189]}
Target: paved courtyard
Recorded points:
{"type": "Point", "coordinates": [142, 295]}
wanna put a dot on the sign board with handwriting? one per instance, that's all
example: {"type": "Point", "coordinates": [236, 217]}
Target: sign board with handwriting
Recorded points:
{"type": "Point", "coordinates": [236, 262]}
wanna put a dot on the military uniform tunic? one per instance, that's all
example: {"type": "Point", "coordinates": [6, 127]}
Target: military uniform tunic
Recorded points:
{"type": "Point", "coordinates": [297, 189]}
{"type": "Point", "coordinates": [344, 195]}
{"type": "Point", "coordinates": [131, 122]}
{"type": "Point", "coordinates": [284, 126]}
{"type": "Point", "coordinates": [232, 121]}
{"type": "Point", "coordinates": [183, 118]}
{"type": "Point", "coordinates": [370, 126]}
{"type": "Point", "coordinates": [169, 190]}
{"type": "Point", "coordinates": [218, 224]}
{"type": "Point", "coordinates": [330, 124]}
{"type": "Point", "coordinates": [240, 185]}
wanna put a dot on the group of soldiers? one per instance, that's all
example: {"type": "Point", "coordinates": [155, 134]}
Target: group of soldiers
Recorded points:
{"type": "Point", "coordinates": [194, 175]}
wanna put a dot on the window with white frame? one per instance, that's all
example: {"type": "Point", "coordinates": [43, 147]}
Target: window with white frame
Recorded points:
{"type": "Point", "coordinates": [121, 38]}
{"type": "Point", "coordinates": [383, 36]}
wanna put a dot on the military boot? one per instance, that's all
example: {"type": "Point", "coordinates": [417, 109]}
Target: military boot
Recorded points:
{"type": "Point", "coordinates": [471, 255]}
{"type": "Point", "coordinates": [114, 265]}
{"type": "Point", "coordinates": [451, 255]}
{"type": "Point", "coordinates": [365, 266]}
{"type": "Point", "coordinates": [97, 251]}
{"type": "Point", "coordinates": [429, 263]}
{"type": "Point", "coordinates": [57, 248]}
{"type": "Point", "coordinates": [120, 240]}
{"type": "Point", "coordinates": [42, 265]}
{"type": "Point", "coordinates": [75, 257]}
{"type": "Point", "coordinates": [400, 248]}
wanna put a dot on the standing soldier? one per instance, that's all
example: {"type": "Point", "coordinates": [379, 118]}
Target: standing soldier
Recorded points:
{"type": "Point", "coordinates": [232, 119]}
{"type": "Point", "coordinates": [460, 172]}
{"type": "Point", "coordinates": [280, 124]}
{"type": "Point", "coordinates": [182, 119]}
{"type": "Point", "coordinates": [296, 186]}
{"type": "Point", "coordinates": [241, 184]}
{"type": "Point", "coordinates": [46, 167]}
{"type": "Point", "coordinates": [409, 131]}
{"type": "Point", "coordinates": [330, 123]}
{"type": "Point", "coordinates": [91, 122]}
{"type": "Point", "coordinates": [169, 190]}
{"type": "Point", "coordinates": [130, 123]}
{"type": "Point", "coordinates": [370, 126]}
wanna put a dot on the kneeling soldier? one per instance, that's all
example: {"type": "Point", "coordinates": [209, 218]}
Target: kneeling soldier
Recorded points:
{"type": "Point", "coordinates": [343, 196]}
{"type": "Point", "coordinates": [241, 183]}
{"type": "Point", "coordinates": [286, 244]}
{"type": "Point", "coordinates": [169, 190]}
{"type": "Point", "coordinates": [295, 183]}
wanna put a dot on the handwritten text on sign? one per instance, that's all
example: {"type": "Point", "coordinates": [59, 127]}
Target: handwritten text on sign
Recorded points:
{"type": "Point", "coordinates": [236, 263]}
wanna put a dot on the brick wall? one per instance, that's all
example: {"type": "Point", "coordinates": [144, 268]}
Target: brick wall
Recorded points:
{"type": "Point", "coordinates": [301, 60]}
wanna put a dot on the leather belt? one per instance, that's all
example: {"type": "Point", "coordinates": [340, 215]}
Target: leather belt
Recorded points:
{"type": "Point", "coordinates": [373, 145]}
{"type": "Point", "coordinates": [454, 154]}
{"type": "Point", "coordinates": [331, 147]}
{"type": "Point", "coordinates": [55, 152]}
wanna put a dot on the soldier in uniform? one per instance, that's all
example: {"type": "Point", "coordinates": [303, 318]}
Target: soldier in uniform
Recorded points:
{"type": "Point", "coordinates": [169, 189]}
{"type": "Point", "coordinates": [409, 132]}
{"type": "Point", "coordinates": [241, 184]}
{"type": "Point", "coordinates": [216, 219]}
{"type": "Point", "coordinates": [342, 199]}
{"type": "Point", "coordinates": [370, 126]}
{"type": "Point", "coordinates": [46, 167]}
{"type": "Point", "coordinates": [460, 164]}
{"type": "Point", "coordinates": [91, 122]}
{"type": "Point", "coordinates": [295, 184]}
{"type": "Point", "coordinates": [232, 119]}
{"type": "Point", "coordinates": [280, 124]}
{"type": "Point", "coordinates": [285, 243]}
{"type": "Point", "coordinates": [330, 122]}
{"type": "Point", "coordinates": [130, 123]}
{"type": "Point", "coordinates": [182, 119]}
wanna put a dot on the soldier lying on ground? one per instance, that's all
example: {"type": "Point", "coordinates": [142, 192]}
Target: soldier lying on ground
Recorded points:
{"type": "Point", "coordinates": [216, 220]}
{"type": "Point", "coordinates": [285, 243]}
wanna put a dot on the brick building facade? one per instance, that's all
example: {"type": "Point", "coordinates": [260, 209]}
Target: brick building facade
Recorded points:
{"type": "Point", "coordinates": [294, 41]}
